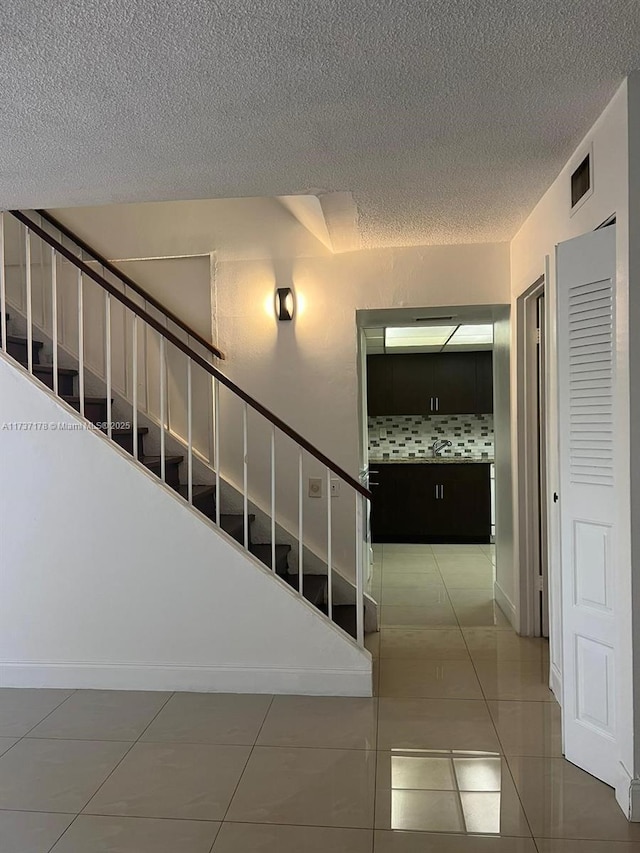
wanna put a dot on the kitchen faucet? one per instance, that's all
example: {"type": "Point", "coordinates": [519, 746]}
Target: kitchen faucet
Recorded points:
{"type": "Point", "coordinates": [439, 445]}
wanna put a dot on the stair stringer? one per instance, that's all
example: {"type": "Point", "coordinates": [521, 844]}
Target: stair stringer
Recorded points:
{"type": "Point", "coordinates": [111, 581]}
{"type": "Point", "coordinates": [344, 591]}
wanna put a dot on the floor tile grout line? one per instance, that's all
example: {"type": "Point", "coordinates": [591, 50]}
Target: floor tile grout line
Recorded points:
{"type": "Point", "coordinates": [28, 732]}
{"type": "Point", "coordinates": [113, 769]}
{"type": "Point", "coordinates": [246, 764]}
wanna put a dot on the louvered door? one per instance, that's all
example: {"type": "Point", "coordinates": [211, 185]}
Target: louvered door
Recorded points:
{"type": "Point", "coordinates": [587, 425]}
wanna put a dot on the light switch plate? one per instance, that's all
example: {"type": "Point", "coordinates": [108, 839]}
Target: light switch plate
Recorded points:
{"type": "Point", "coordinates": [315, 487]}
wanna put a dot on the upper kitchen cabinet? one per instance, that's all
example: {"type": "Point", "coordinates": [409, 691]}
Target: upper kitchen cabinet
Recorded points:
{"type": "Point", "coordinates": [423, 384]}
{"type": "Point", "coordinates": [484, 382]}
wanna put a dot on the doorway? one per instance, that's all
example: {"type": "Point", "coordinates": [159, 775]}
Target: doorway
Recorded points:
{"type": "Point", "coordinates": [453, 518]}
{"type": "Point", "coordinates": [532, 415]}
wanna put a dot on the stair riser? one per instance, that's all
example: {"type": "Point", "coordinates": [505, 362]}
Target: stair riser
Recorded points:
{"type": "Point", "coordinates": [19, 351]}
{"type": "Point", "coordinates": [126, 443]}
{"type": "Point", "coordinates": [94, 412]}
{"type": "Point", "coordinates": [172, 473]}
{"type": "Point", "coordinates": [65, 382]}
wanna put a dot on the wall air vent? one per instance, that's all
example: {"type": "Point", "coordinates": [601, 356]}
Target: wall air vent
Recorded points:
{"type": "Point", "coordinates": [581, 181]}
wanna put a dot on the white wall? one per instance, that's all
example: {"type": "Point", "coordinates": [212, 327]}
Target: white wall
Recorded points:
{"type": "Point", "coordinates": [304, 371]}
{"type": "Point", "coordinates": [549, 224]}
{"type": "Point", "coordinates": [108, 580]}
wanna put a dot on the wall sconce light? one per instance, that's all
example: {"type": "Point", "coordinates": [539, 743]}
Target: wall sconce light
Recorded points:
{"type": "Point", "coordinates": [284, 303]}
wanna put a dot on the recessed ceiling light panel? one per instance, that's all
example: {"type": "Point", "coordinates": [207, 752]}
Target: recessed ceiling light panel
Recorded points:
{"type": "Point", "coordinates": [417, 336]}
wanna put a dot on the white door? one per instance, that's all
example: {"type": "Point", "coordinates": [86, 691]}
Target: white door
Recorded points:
{"type": "Point", "coordinates": [587, 385]}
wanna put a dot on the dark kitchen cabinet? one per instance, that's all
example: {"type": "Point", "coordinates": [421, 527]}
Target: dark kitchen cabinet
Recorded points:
{"type": "Point", "coordinates": [430, 383]}
{"type": "Point", "coordinates": [431, 502]}
{"type": "Point", "coordinates": [484, 382]}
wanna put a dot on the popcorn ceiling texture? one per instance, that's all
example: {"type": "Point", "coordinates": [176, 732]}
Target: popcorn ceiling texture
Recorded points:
{"type": "Point", "coordinates": [406, 436]}
{"type": "Point", "coordinates": [446, 119]}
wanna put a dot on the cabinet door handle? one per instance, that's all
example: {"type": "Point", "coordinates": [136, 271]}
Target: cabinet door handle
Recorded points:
{"type": "Point", "coordinates": [437, 404]}
{"type": "Point", "coordinates": [430, 404]}
{"type": "Point", "coordinates": [441, 492]}
{"type": "Point", "coordinates": [436, 491]}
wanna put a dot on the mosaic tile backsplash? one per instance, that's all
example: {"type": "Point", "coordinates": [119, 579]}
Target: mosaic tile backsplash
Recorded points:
{"type": "Point", "coordinates": [402, 436]}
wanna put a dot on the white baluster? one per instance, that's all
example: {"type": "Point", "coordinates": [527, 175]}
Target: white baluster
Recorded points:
{"type": "Point", "coordinates": [300, 520]}
{"type": "Point", "coordinates": [54, 316]}
{"type": "Point", "coordinates": [27, 257]}
{"type": "Point", "coordinates": [3, 288]}
{"type": "Point", "coordinates": [216, 444]}
{"type": "Point", "coordinates": [80, 343]}
{"type": "Point", "coordinates": [107, 356]}
{"type": "Point", "coordinates": [245, 475]}
{"type": "Point", "coordinates": [134, 380]}
{"type": "Point", "coordinates": [273, 498]}
{"type": "Point", "coordinates": [189, 435]}
{"type": "Point", "coordinates": [360, 516]}
{"type": "Point", "coordinates": [329, 569]}
{"type": "Point", "coordinates": [163, 464]}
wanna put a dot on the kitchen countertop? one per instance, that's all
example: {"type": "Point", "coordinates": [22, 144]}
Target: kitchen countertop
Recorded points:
{"type": "Point", "coordinates": [426, 460]}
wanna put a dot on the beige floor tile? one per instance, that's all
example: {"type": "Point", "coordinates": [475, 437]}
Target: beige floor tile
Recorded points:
{"type": "Point", "coordinates": [450, 679]}
{"type": "Point", "coordinates": [504, 644]}
{"type": "Point", "coordinates": [435, 724]}
{"type": "Point", "coordinates": [524, 680]}
{"type": "Point", "coordinates": [321, 787]}
{"type": "Point", "coordinates": [476, 577]}
{"type": "Point", "coordinates": [444, 549]}
{"type": "Point", "coordinates": [528, 728]}
{"type": "Point", "coordinates": [102, 715]}
{"type": "Point", "coordinates": [390, 548]}
{"type": "Point", "coordinates": [372, 643]}
{"type": "Point", "coordinates": [474, 607]}
{"type": "Point", "coordinates": [98, 834]}
{"type": "Point", "coordinates": [31, 832]}
{"type": "Point", "coordinates": [560, 845]}
{"type": "Point", "coordinates": [321, 721]}
{"type": "Point", "coordinates": [412, 580]}
{"type": "Point", "coordinates": [55, 775]}
{"type": "Point", "coordinates": [266, 838]}
{"type": "Point", "coordinates": [562, 801]}
{"type": "Point", "coordinates": [477, 794]}
{"type": "Point", "coordinates": [415, 596]}
{"type": "Point", "coordinates": [417, 565]}
{"type": "Point", "coordinates": [416, 842]}
{"type": "Point", "coordinates": [429, 615]}
{"type": "Point", "coordinates": [182, 780]}
{"type": "Point", "coordinates": [423, 643]}
{"type": "Point", "coordinates": [224, 718]}
{"type": "Point", "coordinates": [23, 708]}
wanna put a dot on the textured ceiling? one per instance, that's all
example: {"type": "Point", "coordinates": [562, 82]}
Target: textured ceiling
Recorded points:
{"type": "Point", "coordinates": [445, 119]}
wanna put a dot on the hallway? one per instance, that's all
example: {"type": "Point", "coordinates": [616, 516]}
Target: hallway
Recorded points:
{"type": "Point", "coordinates": [459, 752]}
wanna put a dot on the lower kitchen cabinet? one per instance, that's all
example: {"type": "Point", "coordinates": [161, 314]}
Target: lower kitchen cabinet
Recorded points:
{"type": "Point", "coordinates": [431, 502]}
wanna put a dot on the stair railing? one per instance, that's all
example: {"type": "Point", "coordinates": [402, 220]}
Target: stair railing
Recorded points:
{"type": "Point", "coordinates": [140, 320]}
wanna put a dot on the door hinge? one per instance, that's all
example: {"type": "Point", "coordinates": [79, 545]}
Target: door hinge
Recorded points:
{"type": "Point", "coordinates": [539, 584]}
{"type": "Point", "coordinates": [538, 336]}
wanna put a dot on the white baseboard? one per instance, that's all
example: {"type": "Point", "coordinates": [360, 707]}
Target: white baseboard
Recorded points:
{"type": "Point", "coordinates": [555, 683]}
{"type": "Point", "coordinates": [628, 794]}
{"type": "Point", "coordinates": [506, 605]}
{"type": "Point", "coordinates": [203, 679]}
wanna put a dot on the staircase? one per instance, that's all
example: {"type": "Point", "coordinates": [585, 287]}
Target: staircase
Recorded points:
{"type": "Point", "coordinates": [315, 588]}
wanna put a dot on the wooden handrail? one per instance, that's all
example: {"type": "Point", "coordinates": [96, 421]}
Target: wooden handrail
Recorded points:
{"type": "Point", "coordinates": [125, 279]}
{"type": "Point", "coordinates": [188, 351]}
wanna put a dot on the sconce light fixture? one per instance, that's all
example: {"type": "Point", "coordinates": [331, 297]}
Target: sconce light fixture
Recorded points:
{"type": "Point", "coordinates": [284, 303]}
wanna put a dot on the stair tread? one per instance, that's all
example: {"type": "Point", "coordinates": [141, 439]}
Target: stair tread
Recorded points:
{"type": "Point", "coordinates": [155, 460]}
{"type": "Point", "coordinates": [198, 491]}
{"type": "Point", "coordinates": [265, 548]}
{"type": "Point", "coordinates": [344, 615]}
{"type": "Point", "coordinates": [129, 431]}
{"type": "Point", "coordinates": [48, 368]}
{"type": "Point", "coordinates": [313, 586]}
{"type": "Point", "coordinates": [76, 399]}
{"type": "Point", "coordinates": [14, 339]}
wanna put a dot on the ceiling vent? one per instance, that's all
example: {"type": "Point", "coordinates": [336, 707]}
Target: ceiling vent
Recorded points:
{"type": "Point", "coordinates": [581, 182]}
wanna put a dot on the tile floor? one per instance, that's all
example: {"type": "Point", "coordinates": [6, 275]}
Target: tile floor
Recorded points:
{"type": "Point", "coordinates": [459, 752]}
